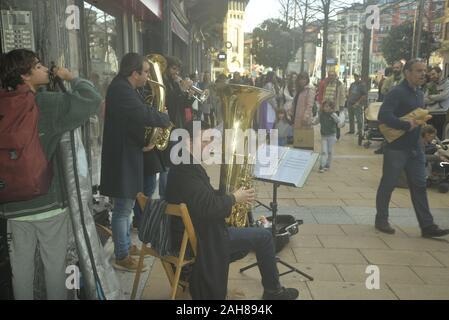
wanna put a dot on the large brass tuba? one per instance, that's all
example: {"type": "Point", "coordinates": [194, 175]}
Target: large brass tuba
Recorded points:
{"type": "Point", "coordinates": [157, 136]}
{"type": "Point", "coordinates": [239, 105]}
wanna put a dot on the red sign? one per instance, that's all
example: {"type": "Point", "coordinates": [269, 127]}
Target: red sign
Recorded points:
{"type": "Point", "coordinates": [155, 6]}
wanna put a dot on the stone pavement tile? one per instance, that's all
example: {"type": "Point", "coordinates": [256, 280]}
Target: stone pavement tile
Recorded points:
{"type": "Point", "coordinates": [328, 210]}
{"type": "Point", "coordinates": [158, 286]}
{"type": "Point", "coordinates": [320, 272]}
{"type": "Point", "coordinates": [333, 218]}
{"type": "Point", "coordinates": [402, 212]}
{"type": "Point", "coordinates": [354, 189]}
{"type": "Point", "coordinates": [440, 211]}
{"type": "Point", "coordinates": [369, 231]}
{"type": "Point", "coordinates": [364, 220]}
{"type": "Point", "coordinates": [321, 188]}
{"type": "Point", "coordinates": [390, 274]}
{"type": "Point", "coordinates": [430, 275]}
{"type": "Point", "coordinates": [418, 244]}
{"type": "Point", "coordinates": [304, 195]}
{"type": "Point", "coordinates": [352, 242]}
{"type": "Point", "coordinates": [400, 257]}
{"type": "Point", "coordinates": [404, 221]}
{"type": "Point", "coordinates": [320, 202]}
{"type": "Point", "coordinates": [252, 289]}
{"type": "Point", "coordinates": [360, 211]}
{"type": "Point", "coordinates": [442, 257]}
{"type": "Point", "coordinates": [338, 195]}
{"type": "Point", "coordinates": [413, 232]}
{"type": "Point", "coordinates": [325, 255]}
{"type": "Point", "coordinates": [318, 229]}
{"type": "Point", "coordinates": [368, 195]}
{"type": "Point", "coordinates": [420, 292]}
{"type": "Point", "coordinates": [325, 290]}
{"type": "Point", "coordinates": [304, 241]}
{"type": "Point", "coordinates": [359, 203]}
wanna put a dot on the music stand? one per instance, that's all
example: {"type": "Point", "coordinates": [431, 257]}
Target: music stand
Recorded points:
{"type": "Point", "coordinates": [292, 169]}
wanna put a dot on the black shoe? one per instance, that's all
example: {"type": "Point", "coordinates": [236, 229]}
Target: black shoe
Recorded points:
{"type": "Point", "coordinates": [282, 294]}
{"type": "Point", "coordinates": [434, 232]}
{"type": "Point", "coordinates": [385, 228]}
{"type": "Point", "coordinates": [350, 132]}
{"type": "Point", "coordinates": [379, 151]}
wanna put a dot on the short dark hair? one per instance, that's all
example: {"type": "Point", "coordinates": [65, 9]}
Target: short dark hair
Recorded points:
{"type": "Point", "coordinates": [436, 69]}
{"type": "Point", "coordinates": [15, 64]}
{"type": "Point", "coordinates": [428, 129]}
{"type": "Point", "coordinates": [173, 61]}
{"type": "Point", "coordinates": [409, 65]}
{"type": "Point", "coordinates": [131, 62]}
{"type": "Point", "coordinates": [189, 127]}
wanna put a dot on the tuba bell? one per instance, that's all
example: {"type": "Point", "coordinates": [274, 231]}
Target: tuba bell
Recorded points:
{"type": "Point", "coordinates": [239, 105]}
{"type": "Point", "coordinates": [159, 137]}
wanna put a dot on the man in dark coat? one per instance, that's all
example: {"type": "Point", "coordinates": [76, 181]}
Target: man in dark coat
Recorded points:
{"type": "Point", "coordinates": [123, 143]}
{"type": "Point", "coordinates": [218, 244]}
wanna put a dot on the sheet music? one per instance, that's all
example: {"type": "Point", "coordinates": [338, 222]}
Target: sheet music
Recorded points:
{"type": "Point", "coordinates": [292, 166]}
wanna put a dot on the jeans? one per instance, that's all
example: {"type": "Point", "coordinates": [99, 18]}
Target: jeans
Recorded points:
{"type": "Point", "coordinates": [414, 164]}
{"type": "Point", "coordinates": [121, 226]}
{"type": "Point", "coordinates": [327, 146]}
{"type": "Point", "coordinates": [357, 114]}
{"type": "Point", "coordinates": [261, 242]}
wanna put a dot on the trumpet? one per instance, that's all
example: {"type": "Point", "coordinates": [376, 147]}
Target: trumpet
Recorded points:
{"type": "Point", "coordinates": [200, 95]}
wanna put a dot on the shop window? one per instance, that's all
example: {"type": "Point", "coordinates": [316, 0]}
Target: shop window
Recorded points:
{"type": "Point", "coordinates": [103, 67]}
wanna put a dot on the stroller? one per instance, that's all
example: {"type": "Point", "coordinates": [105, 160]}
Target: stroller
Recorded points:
{"type": "Point", "coordinates": [371, 130]}
{"type": "Point", "coordinates": [438, 171]}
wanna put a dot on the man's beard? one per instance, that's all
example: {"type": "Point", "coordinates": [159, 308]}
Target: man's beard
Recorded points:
{"type": "Point", "coordinates": [397, 74]}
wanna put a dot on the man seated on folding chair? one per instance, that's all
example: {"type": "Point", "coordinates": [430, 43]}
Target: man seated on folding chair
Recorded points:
{"type": "Point", "coordinates": [218, 244]}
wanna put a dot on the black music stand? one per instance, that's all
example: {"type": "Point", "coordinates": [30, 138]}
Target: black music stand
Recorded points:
{"type": "Point", "coordinates": [292, 169]}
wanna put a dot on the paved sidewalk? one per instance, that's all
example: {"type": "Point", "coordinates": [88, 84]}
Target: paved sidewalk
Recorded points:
{"type": "Point", "coordinates": [338, 242]}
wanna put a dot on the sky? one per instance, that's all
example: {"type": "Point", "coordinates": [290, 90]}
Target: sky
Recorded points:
{"type": "Point", "coordinates": [259, 10]}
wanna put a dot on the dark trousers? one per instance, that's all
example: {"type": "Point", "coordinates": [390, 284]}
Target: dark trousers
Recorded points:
{"type": "Point", "coordinates": [261, 242]}
{"type": "Point", "coordinates": [355, 112]}
{"type": "Point", "coordinates": [413, 162]}
{"type": "Point", "coordinates": [209, 118]}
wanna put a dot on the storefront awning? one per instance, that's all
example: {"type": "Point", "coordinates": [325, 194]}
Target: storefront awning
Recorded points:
{"type": "Point", "coordinates": [155, 6]}
{"type": "Point", "coordinates": [179, 29]}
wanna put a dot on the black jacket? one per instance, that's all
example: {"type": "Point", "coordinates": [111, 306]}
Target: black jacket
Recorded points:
{"type": "Point", "coordinates": [177, 102]}
{"type": "Point", "coordinates": [208, 209]}
{"type": "Point", "coordinates": [123, 139]}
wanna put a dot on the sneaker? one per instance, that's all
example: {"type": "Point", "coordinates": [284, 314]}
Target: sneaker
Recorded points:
{"type": "Point", "coordinates": [321, 170]}
{"type": "Point", "coordinates": [326, 168]}
{"type": "Point", "coordinates": [134, 250]}
{"type": "Point", "coordinates": [434, 232]}
{"type": "Point", "coordinates": [282, 294]}
{"type": "Point", "coordinates": [128, 264]}
{"type": "Point", "coordinates": [385, 228]}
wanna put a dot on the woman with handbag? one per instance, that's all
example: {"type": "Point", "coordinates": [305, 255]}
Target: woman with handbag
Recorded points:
{"type": "Point", "coordinates": [301, 112]}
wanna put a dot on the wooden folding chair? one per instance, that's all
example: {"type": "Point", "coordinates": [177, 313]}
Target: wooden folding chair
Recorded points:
{"type": "Point", "coordinates": [168, 261]}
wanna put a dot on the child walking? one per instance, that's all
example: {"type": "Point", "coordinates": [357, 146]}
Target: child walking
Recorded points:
{"type": "Point", "coordinates": [283, 126]}
{"type": "Point", "coordinates": [327, 118]}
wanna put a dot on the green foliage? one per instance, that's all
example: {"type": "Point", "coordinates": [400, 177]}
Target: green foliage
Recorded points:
{"type": "Point", "coordinates": [274, 45]}
{"type": "Point", "coordinates": [399, 43]}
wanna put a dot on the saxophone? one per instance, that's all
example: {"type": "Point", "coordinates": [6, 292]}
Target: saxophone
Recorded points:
{"type": "Point", "coordinates": [239, 105]}
{"type": "Point", "coordinates": [159, 137]}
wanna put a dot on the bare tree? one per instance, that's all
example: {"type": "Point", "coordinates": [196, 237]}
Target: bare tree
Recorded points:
{"type": "Point", "coordinates": [287, 10]}
{"type": "Point", "coordinates": [305, 12]}
{"type": "Point", "coordinates": [328, 9]}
